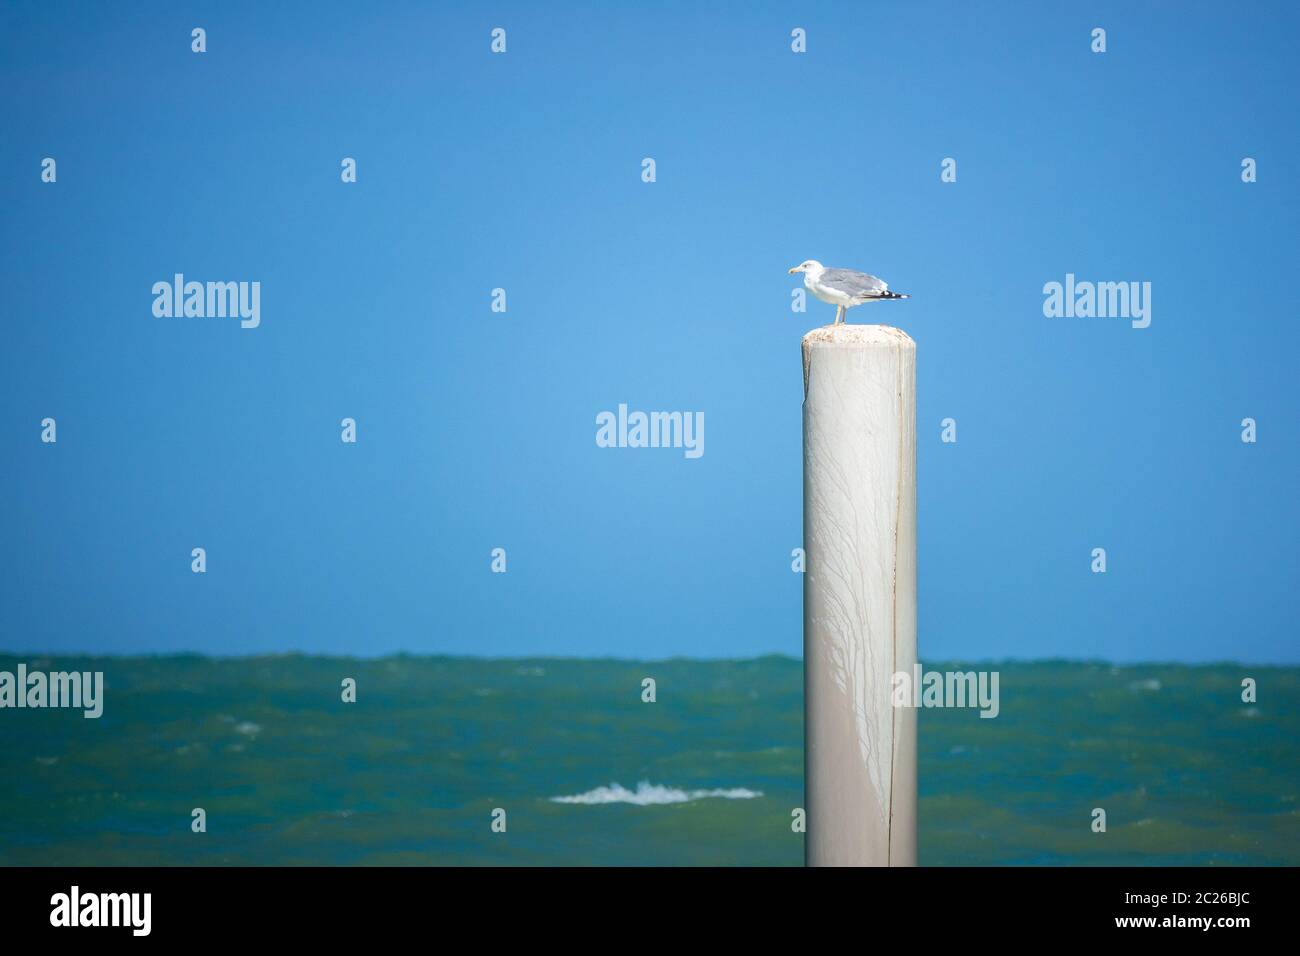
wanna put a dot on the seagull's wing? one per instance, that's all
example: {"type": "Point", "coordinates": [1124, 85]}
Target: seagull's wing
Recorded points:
{"type": "Point", "coordinates": [859, 285]}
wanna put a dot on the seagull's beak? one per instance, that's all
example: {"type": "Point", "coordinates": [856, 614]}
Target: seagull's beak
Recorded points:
{"type": "Point", "coordinates": [794, 270]}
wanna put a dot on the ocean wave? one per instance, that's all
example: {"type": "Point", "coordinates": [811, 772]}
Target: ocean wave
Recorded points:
{"type": "Point", "coordinates": [653, 794]}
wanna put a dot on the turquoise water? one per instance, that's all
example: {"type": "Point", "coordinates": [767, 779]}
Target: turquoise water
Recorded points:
{"type": "Point", "coordinates": [411, 773]}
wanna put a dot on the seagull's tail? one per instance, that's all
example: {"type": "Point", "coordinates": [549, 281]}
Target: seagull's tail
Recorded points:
{"type": "Point", "coordinates": [894, 295]}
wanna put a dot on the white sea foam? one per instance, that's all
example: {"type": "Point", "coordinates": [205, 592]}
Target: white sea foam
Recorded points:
{"type": "Point", "coordinates": [652, 794]}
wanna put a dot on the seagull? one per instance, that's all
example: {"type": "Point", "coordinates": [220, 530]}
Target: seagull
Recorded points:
{"type": "Point", "coordinates": [843, 287]}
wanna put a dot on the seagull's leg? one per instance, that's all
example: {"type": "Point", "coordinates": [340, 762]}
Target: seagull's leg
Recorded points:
{"type": "Point", "coordinates": [839, 314]}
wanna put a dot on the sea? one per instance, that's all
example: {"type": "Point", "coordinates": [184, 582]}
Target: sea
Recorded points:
{"type": "Point", "coordinates": [566, 762]}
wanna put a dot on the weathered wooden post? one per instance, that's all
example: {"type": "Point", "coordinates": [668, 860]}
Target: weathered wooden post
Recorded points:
{"type": "Point", "coordinates": [859, 477]}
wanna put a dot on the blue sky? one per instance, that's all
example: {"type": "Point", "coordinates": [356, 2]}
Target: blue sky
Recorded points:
{"type": "Point", "coordinates": [522, 171]}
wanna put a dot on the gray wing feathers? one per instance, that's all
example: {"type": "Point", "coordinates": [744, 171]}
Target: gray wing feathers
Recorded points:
{"type": "Point", "coordinates": [857, 284]}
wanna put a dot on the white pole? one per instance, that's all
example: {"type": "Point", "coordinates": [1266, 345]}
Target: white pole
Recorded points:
{"type": "Point", "coordinates": [859, 478]}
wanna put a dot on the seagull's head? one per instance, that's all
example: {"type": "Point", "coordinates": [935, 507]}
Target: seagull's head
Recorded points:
{"type": "Point", "coordinates": [808, 265]}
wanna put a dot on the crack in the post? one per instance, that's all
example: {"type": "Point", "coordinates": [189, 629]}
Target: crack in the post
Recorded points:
{"type": "Point", "coordinates": [898, 517]}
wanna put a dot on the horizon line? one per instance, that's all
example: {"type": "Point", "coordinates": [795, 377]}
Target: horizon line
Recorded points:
{"type": "Point", "coordinates": [163, 655]}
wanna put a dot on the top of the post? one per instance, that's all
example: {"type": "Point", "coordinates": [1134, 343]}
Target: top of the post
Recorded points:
{"type": "Point", "coordinates": [857, 336]}
{"type": "Point", "coordinates": [849, 336]}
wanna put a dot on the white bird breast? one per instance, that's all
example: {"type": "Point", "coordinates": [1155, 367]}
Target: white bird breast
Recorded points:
{"type": "Point", "coordinates": [832, 296]}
